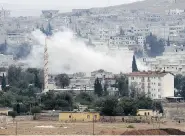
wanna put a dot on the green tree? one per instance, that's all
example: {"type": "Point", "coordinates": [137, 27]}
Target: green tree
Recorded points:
{"type": "Point", "coordinates": [157, 106]}
{"type": "Point", "coordinates": [129, 106]}
{"type": "Point", "coordinates": [133, 92]}
{"type": "Point", "coordinates": [18, 108]}
{"type": "Point", "coordinates": [156, 46]}
{"type": "Point", "coordinates": [62, 80]}
{"type": "Point", "coordinates": [14, 75]}
{"type": "Point", "coordinates": [35, 110]}
{"type": "Point", "coordinates": [67, 97]}
{"type": "Point", "coordinates": [98, 87]}
{"type": "Point", "coordinates": [179, 81]}
{"type": "Point", "coordinates": [7, 99]}
{"type": "Point", "coordinates": [37, 82]}
{"type": "Point", "coordinates": [3, 83]}
{"type": "Point", "coordinates": [13, 114]}
{"type": "Point", "coordinates": [144, 102]}
{"type": "Point", "coordinates": [84, 98]}
{"type": "Point", "coordinates": [122, 85]}
{"type": "Point", "coordinates": [61, 101]}
{"type": "Point", "coordinates": [134, 65]}
{"type": "Point", "coordinates": [22, 109]}
{"type": "Point", "coordinates": [105, 91]}
{"type": "Point", "coordinates": [182, 92]}
{"type": "Point", "coordinates": [109, 105]}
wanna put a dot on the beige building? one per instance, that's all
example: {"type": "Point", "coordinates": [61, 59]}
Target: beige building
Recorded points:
{"type": "Point", "coordinates": [145, 112]}
{"type": "Point", "coordinates": [157, 85]}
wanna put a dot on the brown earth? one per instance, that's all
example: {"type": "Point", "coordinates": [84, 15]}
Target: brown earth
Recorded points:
{"type": "Point", "coordinates": [62, 128]}
{"type": "Point", "coordinates": [168, 131]}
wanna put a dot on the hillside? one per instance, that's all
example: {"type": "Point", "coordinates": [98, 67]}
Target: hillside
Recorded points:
{"type": "Point", "coordinates": [157, 6]}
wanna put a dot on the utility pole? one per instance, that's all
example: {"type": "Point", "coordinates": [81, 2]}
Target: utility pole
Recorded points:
{"type": "Point", "coordinates": [93, 124]}
{"type": "Point", "coordinates": [16, 128]}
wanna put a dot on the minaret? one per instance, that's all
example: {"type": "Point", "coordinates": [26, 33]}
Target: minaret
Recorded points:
{"type": "Point", "coordinates": [48, 32]}
{"type": "Point", "coordinates": [46, 65]}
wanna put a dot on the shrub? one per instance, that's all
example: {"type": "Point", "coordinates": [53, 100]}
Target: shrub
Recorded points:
{"type": "Point", "coordinates": [13, 114]}
{"type": "Point", "coordinates": [130, 126]}
{"type": "Point", "coordinates": [35, 109]}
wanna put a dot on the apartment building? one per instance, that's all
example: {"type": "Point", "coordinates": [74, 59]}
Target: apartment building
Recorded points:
{"type": "Point", "coordinates": [174, 12]}
{"type": "Point", "coordinates": [157, 85]}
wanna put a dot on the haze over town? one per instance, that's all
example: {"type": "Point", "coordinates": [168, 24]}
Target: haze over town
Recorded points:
{"type": "Point", "coordinates": [33, 7]}
{"type": "Point", "coordinates": [92, 61]}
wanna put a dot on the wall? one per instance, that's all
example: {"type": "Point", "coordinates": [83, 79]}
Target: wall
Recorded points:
{"type": "Point", "coordinates": [168, 85]}
{"type": "Point", "coordinates": [78, 116]}
{"type": "Point", "coordinates": [147, 112]}
{"type": "Point", "coordinates": [174, 110]}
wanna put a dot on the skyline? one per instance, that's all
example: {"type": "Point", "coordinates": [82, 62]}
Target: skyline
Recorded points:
{"type": "Point", "coordinates": [33, 7]}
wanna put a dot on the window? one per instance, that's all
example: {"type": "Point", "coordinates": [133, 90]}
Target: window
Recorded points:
{"type": "Point", "coordinates": [69, 116]}
{"type": "Point", "coordinates": [148, 78]}
{"type": "Point", "coordinates": [143, 79]}
{"type": "Point", "coordinates": [145, 113]}
{"type": "Point", "coordinates": [148, 113]}
{"type": "Point", "coordinates": [159, 84]}
{"type": "Point", "coordinates": [88, 116]}
{"type": "Point", "coordinates": [132, 78]}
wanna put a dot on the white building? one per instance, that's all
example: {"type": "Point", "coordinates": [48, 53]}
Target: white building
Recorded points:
{"type": "Point", "coordinates": [4, 14]}
{"type": "Point", "coordinates": [174, 12]}
{"type": "Point", "coordinates": [156, 85]}
{"type": "Point", "coordinates": [172, 60]}
{"type": "Point", "coordinates": [18, 38]}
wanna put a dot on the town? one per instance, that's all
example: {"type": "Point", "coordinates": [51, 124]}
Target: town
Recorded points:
{"type": "Point", "coordinates": [134, 77]}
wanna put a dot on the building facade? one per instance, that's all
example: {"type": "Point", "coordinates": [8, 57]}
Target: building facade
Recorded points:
{"type": "Point", "coordinates": [157, 85]}
{"type": "Point", "coordinates": [79, 116]}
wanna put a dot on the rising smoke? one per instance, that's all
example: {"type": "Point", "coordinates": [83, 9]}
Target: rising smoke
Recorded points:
{"type": "Point", "coordinates": [68, 54]}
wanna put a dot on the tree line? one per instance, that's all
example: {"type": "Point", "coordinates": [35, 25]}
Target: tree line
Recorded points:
{"type": "Point", "coordinates": [25, 85]}
{"type": "Point", "coordinates": [153, 46]}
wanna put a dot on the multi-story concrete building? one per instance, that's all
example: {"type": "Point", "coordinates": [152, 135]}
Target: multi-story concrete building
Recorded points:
{"type": "Point", "coordinates": [156, 85]}
{"type": "Point", "coordinates": [172, 60]}
{"type": "Point", "coordinates": [174, 11]}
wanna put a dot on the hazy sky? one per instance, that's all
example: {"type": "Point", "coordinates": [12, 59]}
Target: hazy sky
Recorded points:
{"type": "Point", "coordinates": [25, 7]}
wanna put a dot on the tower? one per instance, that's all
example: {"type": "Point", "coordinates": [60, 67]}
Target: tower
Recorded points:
{"type": "Point", "coordinates": [48, 32]}
{"type": "Point", "coordinates": [46, 65]}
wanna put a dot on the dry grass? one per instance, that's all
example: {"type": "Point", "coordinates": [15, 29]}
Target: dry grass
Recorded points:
{"type": "Point", "coordinates": [29, 128]}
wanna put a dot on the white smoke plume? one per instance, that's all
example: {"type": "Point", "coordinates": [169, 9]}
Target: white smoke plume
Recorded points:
{"type": "Point", "coordinates": [67, 54]}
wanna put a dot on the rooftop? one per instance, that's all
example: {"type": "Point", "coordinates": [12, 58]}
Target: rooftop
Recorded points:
{"type": "Point", "coordinates": [148, 73]}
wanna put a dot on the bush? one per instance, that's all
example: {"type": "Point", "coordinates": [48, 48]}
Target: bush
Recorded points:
{"type": "Point", "coordinates": [13, 114]}
{"type": "Point", "coordinates": [35, 109]}
{"type": "Point", "coordinates": [130, 126]}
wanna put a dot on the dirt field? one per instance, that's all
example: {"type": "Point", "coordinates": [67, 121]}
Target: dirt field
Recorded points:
{"type": "Point", "coordinates": [59, 128]}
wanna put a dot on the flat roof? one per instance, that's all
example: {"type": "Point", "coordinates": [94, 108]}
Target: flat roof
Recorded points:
{"type": "Point", "coordinates": [174, 97]}
{"type": "Point", "coordinates": [78, 112]}
{"type": "Point", "coordinates": [144, 109]}
{"type": "Point", "coordinates": [148, 73]}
